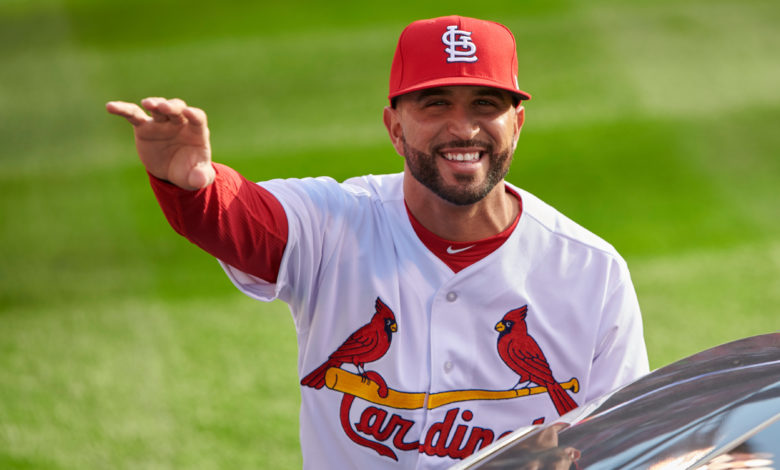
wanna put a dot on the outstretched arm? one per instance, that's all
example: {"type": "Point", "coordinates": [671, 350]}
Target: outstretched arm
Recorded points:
{"type": "Point", "coordinates": [233, 219]}
{"type": "Point", "coordinates": [172, 140]}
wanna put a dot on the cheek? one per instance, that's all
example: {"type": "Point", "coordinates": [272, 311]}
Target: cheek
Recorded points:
{"type": "Point", "coordinates": [418, 136]}
{"type": "Point", "coordinates": [504, 130]}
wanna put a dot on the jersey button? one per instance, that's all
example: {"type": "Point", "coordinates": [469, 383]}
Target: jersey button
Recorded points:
{"type": "Point", "coordinates": [448, 366]}
{"type": "Point", "coordinates": [452, 296]}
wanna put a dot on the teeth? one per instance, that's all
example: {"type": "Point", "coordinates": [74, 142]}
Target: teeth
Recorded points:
{"type": "Point", "coordinates": [462, 157]}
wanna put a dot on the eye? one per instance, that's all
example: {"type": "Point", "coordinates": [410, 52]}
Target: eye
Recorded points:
{"type": "Point", "coordinates": [486, 103]}
{"type": "Point", "coordinates": [435, 102]}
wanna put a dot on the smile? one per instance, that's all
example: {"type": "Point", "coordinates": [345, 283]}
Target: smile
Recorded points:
{"type": "Point", "coordinates": [462, 157]}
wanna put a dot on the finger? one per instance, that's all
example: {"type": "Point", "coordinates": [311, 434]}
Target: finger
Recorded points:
{"type": "Point", "coordinates": [173, 109]}
{"type": "Point", "coordinates": [130, 111]}
{"type": "Point", "coordinates": [157, 107]}
{"type": "Point", "coordinates": [152, 103]}
{"type": "Point", "coordinates": [195, 116]}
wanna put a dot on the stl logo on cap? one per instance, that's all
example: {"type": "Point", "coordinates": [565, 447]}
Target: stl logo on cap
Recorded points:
{"type": "Point", "coordinates": [460, 47]}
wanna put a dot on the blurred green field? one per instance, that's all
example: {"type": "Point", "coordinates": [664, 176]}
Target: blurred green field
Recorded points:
{"type": "Point", "coordinates": [653, 123]}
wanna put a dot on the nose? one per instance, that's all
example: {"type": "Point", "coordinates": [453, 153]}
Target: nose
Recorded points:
{"type": "Point", "coordinates": [462, 124]}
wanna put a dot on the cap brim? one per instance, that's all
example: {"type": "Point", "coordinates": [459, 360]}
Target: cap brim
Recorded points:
{"type": "Point", "coordinates": [456, 81]}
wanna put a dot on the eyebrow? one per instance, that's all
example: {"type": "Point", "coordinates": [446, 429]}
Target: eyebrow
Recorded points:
{"type": "Point", "coordinates": [422, 94]}
{"type": "Point", "coordinates": [495, 92]}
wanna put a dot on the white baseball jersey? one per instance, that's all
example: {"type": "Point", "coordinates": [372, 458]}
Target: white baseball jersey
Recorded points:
{"type": "Point", "coordinates": [434, 387]}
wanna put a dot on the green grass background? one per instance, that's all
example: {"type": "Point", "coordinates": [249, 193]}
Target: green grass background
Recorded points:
{"type": "Point", "coordinates": [654, 123]}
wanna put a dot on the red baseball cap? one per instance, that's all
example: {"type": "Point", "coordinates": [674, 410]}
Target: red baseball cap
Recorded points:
{"type": "Point", "coordinates": [455, 50]}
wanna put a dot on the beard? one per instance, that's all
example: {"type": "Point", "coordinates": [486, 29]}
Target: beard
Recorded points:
{"type": "Point", "coordinates": [469, 189]}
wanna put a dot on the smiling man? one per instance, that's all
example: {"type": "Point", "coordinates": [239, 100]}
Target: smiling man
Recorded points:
{"type": "Point", "coordinates": [396, 282]}
{"type": "Point", "coordinates": [458, 143]}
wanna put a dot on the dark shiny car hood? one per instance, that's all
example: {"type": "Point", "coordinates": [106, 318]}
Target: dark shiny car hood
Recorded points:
{"type": "Point", "coordinates": [722, 404]}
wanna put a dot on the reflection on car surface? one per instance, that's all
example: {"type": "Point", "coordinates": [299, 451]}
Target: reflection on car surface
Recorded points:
{"type": "Point", "coordinates": [718, 409]}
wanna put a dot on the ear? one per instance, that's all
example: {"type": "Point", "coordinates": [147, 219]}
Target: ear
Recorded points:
{"type": "Point", "coordinates": [392, 121]}
{"type": "Point", "coordinates": [519, 121]}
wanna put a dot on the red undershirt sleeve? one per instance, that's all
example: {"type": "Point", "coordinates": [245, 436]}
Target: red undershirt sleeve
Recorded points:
{"type": "Point", "coordinates": [233, 219]}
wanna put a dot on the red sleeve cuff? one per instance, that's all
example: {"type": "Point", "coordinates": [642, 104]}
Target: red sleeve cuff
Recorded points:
{"type": "Point", "coordinates": [233, 219]}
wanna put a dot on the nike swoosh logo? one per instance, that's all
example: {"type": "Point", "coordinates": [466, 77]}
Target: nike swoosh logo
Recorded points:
{"type": "Point", "coordinates": [454, 251]}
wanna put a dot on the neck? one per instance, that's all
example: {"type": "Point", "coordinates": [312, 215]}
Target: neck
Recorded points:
{"type": "Point", "coordinates": [488, 217]}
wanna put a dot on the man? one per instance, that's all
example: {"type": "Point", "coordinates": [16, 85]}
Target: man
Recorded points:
{"type": "Point", "coordinates": [437, 309]}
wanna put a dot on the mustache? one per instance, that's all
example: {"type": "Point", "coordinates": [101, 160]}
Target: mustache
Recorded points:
{"type": "Point", "coordinates": [484, 146]}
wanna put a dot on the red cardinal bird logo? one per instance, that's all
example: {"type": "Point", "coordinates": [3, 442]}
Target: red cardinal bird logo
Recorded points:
{"type": "Point", "coordinates": [522, 354]}
{"type": "Point", "coordinates": [370, 342]}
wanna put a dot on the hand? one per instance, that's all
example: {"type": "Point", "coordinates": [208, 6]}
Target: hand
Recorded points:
{"type": "Point", "coordinates": [541, 451]}
{"type": "Point", "coordinates": [173, 143]}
